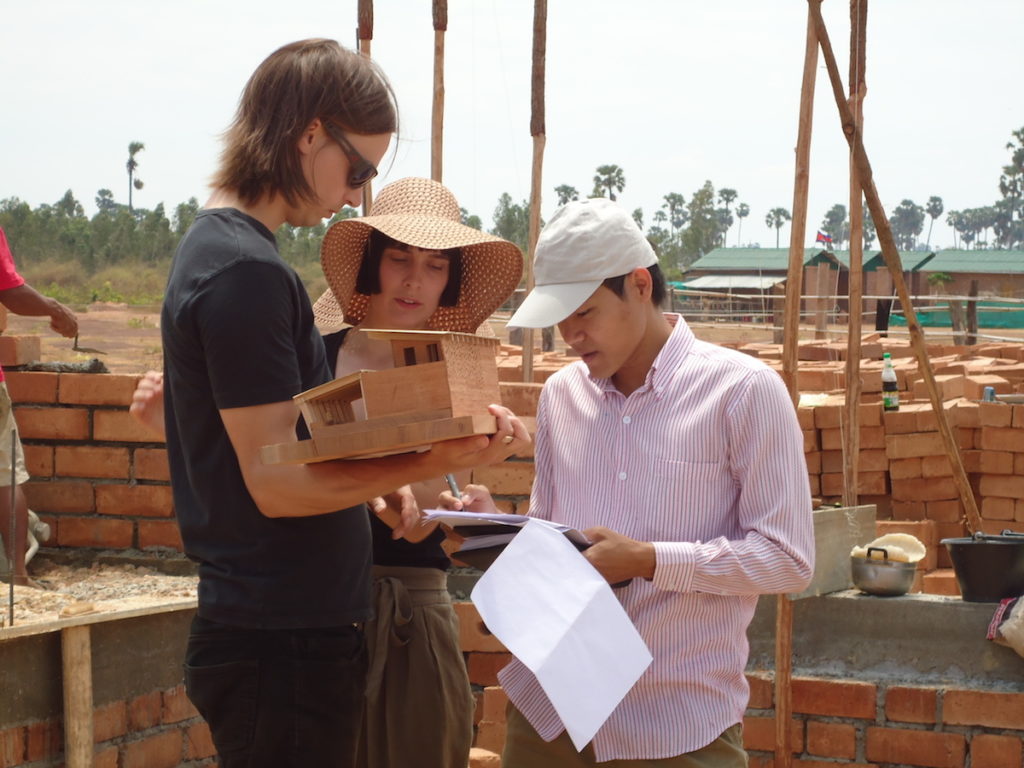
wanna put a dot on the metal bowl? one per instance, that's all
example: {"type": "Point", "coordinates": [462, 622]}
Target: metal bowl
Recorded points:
{"type": "Point", "coordinates": [885, 577]}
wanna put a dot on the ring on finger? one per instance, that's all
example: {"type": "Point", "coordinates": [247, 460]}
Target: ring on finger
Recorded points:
{"type": "Point", "coordinates": [507, 439]}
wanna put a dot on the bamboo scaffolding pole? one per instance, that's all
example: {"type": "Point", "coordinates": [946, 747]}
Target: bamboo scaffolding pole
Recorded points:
{"type": "Point", "coordinates": [437, 118]}
{"type": "Point", "coordinates": [537, 131]}
{"type": "Point", "coordinates": [892, 260]}
{"type": "Point", "coordinates": [791, 332]}
{"type": "Point", "coordinates": [858, 88]}
{"type": "Point", "coordinates": [364, 34]}
{"type": "Point", "coordinates": [76, 656]}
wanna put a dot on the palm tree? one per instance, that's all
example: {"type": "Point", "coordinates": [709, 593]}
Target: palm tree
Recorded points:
{"type": "Point", "coordinates": [934, 209]}
{"type": "Point", "coordinates": [776, 218]}
{"type": "Point", "coordinates": [566, 193]}
{"type": "Point", "coordinates": [609, 177]}
{"type": "Point", "coordinates": [674, 203]}
{"type": "Point", "coordinates": [133, 149]}
{"type": "Point", "coordinates": [638, 217]}
{"type": "Point", "coordinates": [726, 196]}
{"type": "Point", "coordinates": [742, 211]}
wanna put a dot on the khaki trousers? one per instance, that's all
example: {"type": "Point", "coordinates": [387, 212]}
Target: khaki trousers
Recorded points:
{"type": "Point", "coordinates": [524, 748]}
{"type": "Point", "coordinates": [419, 705]}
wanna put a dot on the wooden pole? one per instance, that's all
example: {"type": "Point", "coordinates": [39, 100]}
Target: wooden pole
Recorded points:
{"type": "Point", "coordinates": [892, 261]}
{"type": "Point", "coordinates": [858, 87]}
{"type": "Point", "coordinates": [76, 652]}
{"type": "Point", "coordinates": [364, 35]}
{"type": "Point", "coordinates": [794, 280]}
{"type": "Point", "coordinates": [538, 132]}
{"type": "Point", "coordinates": [437, 120]}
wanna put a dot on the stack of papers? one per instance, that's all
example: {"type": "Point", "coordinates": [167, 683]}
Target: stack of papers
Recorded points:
{"type": "Point", "coordinates": [485, 536]}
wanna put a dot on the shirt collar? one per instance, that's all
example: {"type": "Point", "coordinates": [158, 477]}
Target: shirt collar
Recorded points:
{"type": "Point", "coordinates": [665, 364]}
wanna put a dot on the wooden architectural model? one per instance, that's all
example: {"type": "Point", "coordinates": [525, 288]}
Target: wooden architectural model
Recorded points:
{"type": "Point", "coordinates": [438, 390]}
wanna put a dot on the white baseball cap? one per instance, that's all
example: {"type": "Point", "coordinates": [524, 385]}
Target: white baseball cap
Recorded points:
{"type": "Point", "coordinates": [585, 243]}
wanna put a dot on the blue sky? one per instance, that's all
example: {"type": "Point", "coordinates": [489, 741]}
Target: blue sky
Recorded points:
{"type": "Point", "coordinates": [673, 91]}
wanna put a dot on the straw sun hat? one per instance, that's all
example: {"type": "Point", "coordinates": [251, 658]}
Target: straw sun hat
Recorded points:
{"type": "Point", "coordinates": [421, 213]}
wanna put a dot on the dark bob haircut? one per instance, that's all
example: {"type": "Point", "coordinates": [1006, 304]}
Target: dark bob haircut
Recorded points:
{"type": "Point", "coordinates": [368, 279]}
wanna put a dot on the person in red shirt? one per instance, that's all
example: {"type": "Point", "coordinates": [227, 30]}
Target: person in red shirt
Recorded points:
{"type": "Point", "coordinates": [22, 299]}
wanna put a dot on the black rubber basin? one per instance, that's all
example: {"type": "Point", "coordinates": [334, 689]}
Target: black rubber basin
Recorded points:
{"type": "Point", "coordinates": [988, 567]}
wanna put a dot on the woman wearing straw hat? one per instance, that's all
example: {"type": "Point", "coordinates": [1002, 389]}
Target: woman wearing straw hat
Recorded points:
{"type": "Point", "coordinates": [411, 265]}
{"type": "Point", "coordinates": [276, 659]}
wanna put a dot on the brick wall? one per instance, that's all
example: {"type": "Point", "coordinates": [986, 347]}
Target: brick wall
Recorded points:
{"type": "Point", "coordinates": [836, 721]}
{"type": "Point", "coordinates": [159, 729]}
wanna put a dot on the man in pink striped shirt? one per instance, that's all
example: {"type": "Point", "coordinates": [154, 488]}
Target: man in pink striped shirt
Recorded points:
{"type": "Point", "coordinates": [683, 462]}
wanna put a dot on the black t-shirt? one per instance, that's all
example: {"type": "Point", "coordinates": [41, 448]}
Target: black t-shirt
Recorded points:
{"type": "Point", "coordinates": [238, 331]}
{"type": "Point", "coordinates": [386, 550]}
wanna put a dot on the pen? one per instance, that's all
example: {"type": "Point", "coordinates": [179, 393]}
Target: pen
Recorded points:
{"type": "Point", "coordinates": [453, 486]}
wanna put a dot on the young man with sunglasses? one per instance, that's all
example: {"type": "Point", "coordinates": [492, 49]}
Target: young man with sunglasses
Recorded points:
{"type": "Point", "coordinates": [276, 660]}
{"type": "Point", "coordinates": [683, 462]}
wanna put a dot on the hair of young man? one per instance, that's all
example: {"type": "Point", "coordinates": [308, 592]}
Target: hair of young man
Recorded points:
{"type": "Point", "coordinates": [368, 279]}
{"type": "Point", "coordinates": [296, 84]}
{"type": "Point", "coordinates": [658, 287]}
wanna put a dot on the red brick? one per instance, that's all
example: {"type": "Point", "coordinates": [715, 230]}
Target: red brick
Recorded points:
{"type": "Point", "coordinates": [870, 438]}
{"type": "Point", "coordinates": [521, 397]}
{"type": "Point", "coordinates": [97, 388]}
{"type": "Point", "coordinates": [924, 489]}
{"type": "Point", "coordinates": [909, 510]}
{"type": "Point", "coordinates": [811, 442]}
{"type": "Point", "coordinates": [199, 742]}
{"type": "Point", "coordinates": [813, 461]}
{"type": "Point", "coordinates": [966, 414]}
{"type": "Point", "coordinates": [911, 705]}
{"type": "Point", "coordinates": [473, 633]}
{"type": "Point", "coordinates": [941, 582]}
{"type": "Point", "coordinates": [914, 445]}
{"type": "Point", "coordinates": [1018, 511]}
{"type": "Point", "coordinates": [924, 530]}
{"type": "Point", "coordinates": [32, 386]}
{"type": "Point", "coordinates": [994, 508]}
{"type": "Point", "coordinates": [822, 764]}
{"type": "Point", "coordinates": [948, 511]}
{"type": "Point", "coordinates": [490, 736]}
{"type": "Point", "coordinates": [834, 698]}
{"type": "Point", "coordinates": [1004, 486]}
{"type": "Point", "coordinates": [759, 734]}
{"type": "Point", "coordinates": [1002, 439]}
{"type": "Point", "coordinates": [761, 692]}
{"type": "Point", "coordinates": [924, 748]}
{"type": "Point", "coordinates": [176, 706]}
{"type": "Point", "coordinates": [39, 460]}
{"type": "Point", "coordinates": [873, 460]}
{"type": "Point", "coordinates": [60, 496]}
{"type": "Point", "coordinates": [831, 739]}
{"type": "Point", "coordinates": [805, 417]}
{"type": "Point", "coordinates": [12, 746]}
{"type": "Point", "coordinates": [483, 667]}
{"type": "Point", "coordinates": [494, 704]}
{"type": "Point", "coordinates": [936, 466]}
{"type": "Point", "coordinates": [151, 464]}
{"type": "Point", "coordinates": [993, 751]}
{"type": "Point", "coordinates": [164, 750]}
{"type": "Point", "coordinates": [870, 483]}
{"type": "Point", "coordinates": [109, 721]}
{"type": "Point", "coordinates": [974, 385]}
{"type": "Point", "coordinates": [135, 500]}
{"type": "Point", "coordinates": [144, 711]}
{"type": "Point", "coordinates": [904, 469]}
{"type": "Point", "coordinates": [509, 478]}
{"type": "Point", "coordinates": [52, 423]}
{"type": "Point", "coordinates": [814, 483]}
{"type": "Point", "coordinates": [106, 758]}
{"type": "Point", "coordinates": [995, 415]}
{"type": "Point", "coordinates": [993, 710]}
{"type": "Point", "coordinates": [18, 350]}
{"type": "Point", "coordinates": [904, 420]}
{"type": "Point", "coordinates": [44, 739]}
{"type": "Point", "coordinates": [91, 461]}
{"type": "Point", "coordinates": [119, 427]}
{"type": "Point", "coordinates": [160, 533]}
{"type": "Point", "coordinates": [94, 532]}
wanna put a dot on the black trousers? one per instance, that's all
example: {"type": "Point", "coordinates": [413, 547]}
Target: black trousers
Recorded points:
{"type": "Point", "coordinates": [278, 698]}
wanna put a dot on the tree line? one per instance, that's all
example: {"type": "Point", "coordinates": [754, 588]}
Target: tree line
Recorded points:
{"type": "Point", "coordinates": [681, 230]}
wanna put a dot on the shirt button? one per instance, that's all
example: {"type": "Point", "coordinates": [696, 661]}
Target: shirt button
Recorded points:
{"type": "Point", "coordinates": [626, 419]}
{"type": "Point", "coordinates": [622, 475]}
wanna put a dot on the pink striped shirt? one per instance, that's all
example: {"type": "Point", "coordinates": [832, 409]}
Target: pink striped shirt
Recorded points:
{"type": "Point", "coordinates": [706, 460]}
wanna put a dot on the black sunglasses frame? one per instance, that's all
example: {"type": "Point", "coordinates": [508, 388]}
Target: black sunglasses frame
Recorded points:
{"type": "Point", "coordinates": [361, 171]}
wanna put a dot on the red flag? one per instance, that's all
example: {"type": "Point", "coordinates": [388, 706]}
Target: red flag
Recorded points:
{"type": "Point", "coordinates": [823, 237]}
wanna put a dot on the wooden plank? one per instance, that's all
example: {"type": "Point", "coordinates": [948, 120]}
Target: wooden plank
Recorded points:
{"type": "Point", "coordinates": [59, 625]}
{"type": "Point", "coordinates": [892, 260]}
{"type": "Point", "coordinates": [76, 653]}
{"type": "Point", "coordinates": [407, 389]}
{"type": "Point", "coordinates": [328, 431]}
{"type": "Point", "coordinates": [299, 452]}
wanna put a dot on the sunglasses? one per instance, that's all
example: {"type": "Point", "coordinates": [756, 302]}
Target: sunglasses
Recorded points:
{"type": "Point", "coordinates": [361, 170]}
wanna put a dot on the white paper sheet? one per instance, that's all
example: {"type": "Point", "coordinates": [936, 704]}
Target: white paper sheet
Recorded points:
{"type": "Point", "coordinates": [560, 618]}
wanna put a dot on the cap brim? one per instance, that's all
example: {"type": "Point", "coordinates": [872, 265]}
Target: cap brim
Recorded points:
{"type": "Point", "coordinates": [549, 305]}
